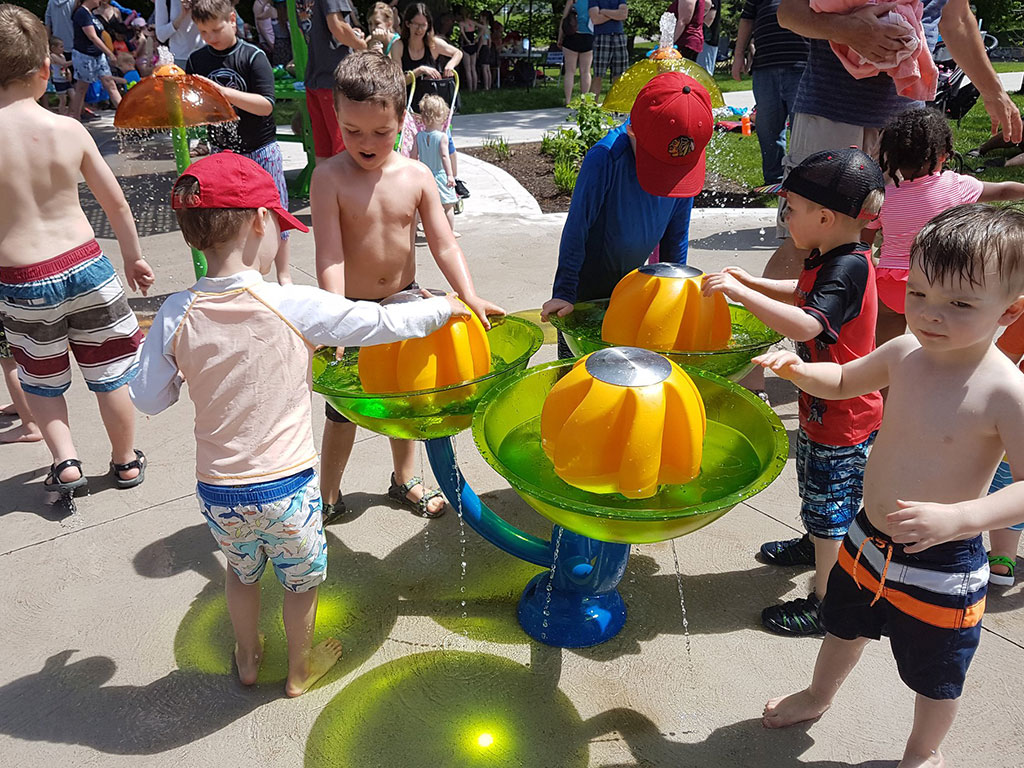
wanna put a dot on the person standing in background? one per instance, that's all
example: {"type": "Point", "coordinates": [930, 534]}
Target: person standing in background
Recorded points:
{"type": "Point", "coordinates": [775, 57]}
{"type": "Point", "coordinates": [576, 39]}
{"type": "Point", "coordinates": [712, 32]}
{"type": "Point", "coordinates": [331, 38]}
{"type": "Point", "coordinates": [689, 34]}
{"type": "Point", "coordinates": [610, 53]}
{"type": "Point", "coordinates": [176, 30]}
{"type": "Point", "coordinates": [58, 21]}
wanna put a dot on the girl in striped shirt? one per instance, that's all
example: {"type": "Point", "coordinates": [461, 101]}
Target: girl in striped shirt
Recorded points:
{"type": "Point", "coordinates": [914, 146]}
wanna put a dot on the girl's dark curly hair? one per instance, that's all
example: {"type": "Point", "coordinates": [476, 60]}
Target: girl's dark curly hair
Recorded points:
{"type": "Point", "coordinates": [913, 143]}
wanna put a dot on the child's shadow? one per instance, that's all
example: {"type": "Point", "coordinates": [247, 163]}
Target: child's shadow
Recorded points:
{"type": "Point", "coordinates": [69, 704]}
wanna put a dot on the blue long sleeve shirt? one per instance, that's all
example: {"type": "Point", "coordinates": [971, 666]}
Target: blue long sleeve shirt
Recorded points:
{"type": "Point", "coordinates": [613, 225]}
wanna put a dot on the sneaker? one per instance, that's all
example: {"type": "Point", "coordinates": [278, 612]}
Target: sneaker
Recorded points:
{"type": "Point", "coordinates": [332, 513]}
{"type": "Point", "coordinates": [460, 188]}
{"type": "Point", "coordinates": [795, 617]}
{"type": "Point", "coordinates": [790, 552]}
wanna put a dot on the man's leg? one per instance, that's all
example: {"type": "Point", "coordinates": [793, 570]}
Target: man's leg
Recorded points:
{"type": "Point", "coordinates": [771, 122]}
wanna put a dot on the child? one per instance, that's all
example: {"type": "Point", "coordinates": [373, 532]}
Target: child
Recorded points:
{"type": "Point", "coordinates": [59, 72]}
{"type": "Point", "coordinates": [914, 145]}
{"type": "Point", "coordinates": [242, 73]}
{"type": "Point", "coordinates": [916, 570]}
{"type": "Point", "coordinates": [245, 349]}
{"type": "Point", "coordinates": [364, 203]}
{"type": "Point", "coordinates": [51, 266]}
{"type": "Point", "coordinates": [830, 313]}
{"type": "Point", "coordinates": [1002, 556]}
{"type": "Point", "coordinates": [126, 66]}
{"type": "Point", "coordinates": [381, 23]}
{"type": "Point", "coordinates": [431, 149]}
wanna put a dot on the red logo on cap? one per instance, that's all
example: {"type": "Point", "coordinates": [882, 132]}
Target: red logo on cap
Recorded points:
{"type": "Point", "coordinates": [681, 146]}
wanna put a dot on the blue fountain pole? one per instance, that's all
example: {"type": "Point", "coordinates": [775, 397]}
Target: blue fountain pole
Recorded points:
{"type": "Point", "coordinates": [574, 605]}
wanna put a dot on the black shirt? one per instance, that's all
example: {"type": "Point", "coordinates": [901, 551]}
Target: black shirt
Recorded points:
{"type": "Point", "coordinates": [773, 45]}
{"type": "Point", "coordinates": [713, 31]}
{"type": "Point", "coordinates": [81, 19]}
{"type": "Point", "coordinates": [243, 67]}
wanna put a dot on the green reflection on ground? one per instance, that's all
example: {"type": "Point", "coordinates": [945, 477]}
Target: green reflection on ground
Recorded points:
{"type": "Point", "coordinates": [448, 708]}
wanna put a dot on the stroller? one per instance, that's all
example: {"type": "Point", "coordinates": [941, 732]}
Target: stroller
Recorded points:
{"type": "Point", "coordinates": [953, 97]}
{"type": "Point", "coordinates": [448, 89]}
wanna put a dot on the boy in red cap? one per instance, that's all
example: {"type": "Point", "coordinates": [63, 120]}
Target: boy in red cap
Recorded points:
{"type": "Point", "coordinates": [830, 313]}
{"type": "Point", "coordinates": [634, 192]}
{"type": "Point", "coordinates": [245, 347]}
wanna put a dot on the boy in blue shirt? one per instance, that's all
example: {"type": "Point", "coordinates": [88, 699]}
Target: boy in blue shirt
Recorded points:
{"type": "Point", "coordinates": [634, 192]}
{"type": "Point", "coordinates": [242, 73]}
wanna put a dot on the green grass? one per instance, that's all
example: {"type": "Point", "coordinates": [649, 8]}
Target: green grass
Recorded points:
{"type": "Point", "coordinates": [1008, 66]}
{"type": "Point", "coordinates": [971, 132]}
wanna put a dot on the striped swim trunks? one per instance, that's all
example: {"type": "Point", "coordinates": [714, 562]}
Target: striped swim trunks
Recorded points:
{"type": "Point", "coordinates": [930, 604]}
{"type": "Point", "coordinates": [74, 301]}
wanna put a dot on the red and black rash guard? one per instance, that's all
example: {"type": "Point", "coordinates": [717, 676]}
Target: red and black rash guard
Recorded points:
{"type": "Point", "coordinates": [837, 289]}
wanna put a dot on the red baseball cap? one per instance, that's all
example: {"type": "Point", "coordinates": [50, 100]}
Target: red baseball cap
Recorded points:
{"type": "Point", "coordinates": [672, 123]}
{"type": "Point", "coordinates": [227, 180]}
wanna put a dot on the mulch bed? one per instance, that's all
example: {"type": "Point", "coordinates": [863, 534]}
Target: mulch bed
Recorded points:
{"type": "Point", "coordinates": [536, 173]}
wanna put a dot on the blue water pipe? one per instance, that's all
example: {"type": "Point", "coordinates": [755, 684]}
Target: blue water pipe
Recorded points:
{"type": "Point", "coordinates": [575, 606]}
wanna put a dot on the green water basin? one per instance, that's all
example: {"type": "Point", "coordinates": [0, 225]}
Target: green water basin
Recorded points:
{"type": "Point", "coordinates": [430, 413]}
{"type": "Point", "coordinates": [744, 451]}
{"type": "Point", "coordinates": [750, 337]}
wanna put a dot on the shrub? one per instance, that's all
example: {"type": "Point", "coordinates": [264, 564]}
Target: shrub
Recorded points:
{"type": "Point", "coordinates": [563, 143]}
{"type": "Point", "coordinates": [566, 171]}
{"type": "Point", "coordinates": [593, 121]}
{"type": "Point", "coordinates": [500, 147]}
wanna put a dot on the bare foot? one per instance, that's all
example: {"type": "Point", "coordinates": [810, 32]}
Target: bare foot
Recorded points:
{"type": "Point", "coordinates": [322, 657]}
{"type": "Point", "coordinates": [790, 710]}
{"type": "Point", "coordinates": [249, 666]}
{"type": "Point", "coordinates": [22, 434]}
{"type": "Point", "coordinates": [934, 760]}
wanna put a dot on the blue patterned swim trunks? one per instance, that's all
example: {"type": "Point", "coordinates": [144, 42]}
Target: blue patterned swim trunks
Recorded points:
{"type": "Point", "coordinates": [831, 483]}
{"type": "Point", "coordinates": [279, 521]}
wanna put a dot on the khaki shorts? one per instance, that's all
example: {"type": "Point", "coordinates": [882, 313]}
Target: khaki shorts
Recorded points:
{"type": "Point", "coordinates": [812, 133]}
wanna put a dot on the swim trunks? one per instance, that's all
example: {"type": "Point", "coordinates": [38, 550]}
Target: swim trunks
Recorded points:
{"type": "Point", "coordinates": [5, 348]}
{"type": "Point", "coordinates": [831, 484]}
{"type": "Point", "coordinates": [892, 288]}
{"type": "Point", "coordinates": [930, 604]}
{"type": "Point", "coordinates": [74, 301]}
{"type": "Point", "coordinates": [279, 521]}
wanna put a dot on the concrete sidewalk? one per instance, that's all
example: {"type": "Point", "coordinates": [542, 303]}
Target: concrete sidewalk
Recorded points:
{"type": "Point", "coordinates": [117, 645]}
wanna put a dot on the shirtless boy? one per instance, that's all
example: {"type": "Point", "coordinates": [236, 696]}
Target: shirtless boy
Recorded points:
{"type": "Point", "coordinates": [913, 563]}
{"type": "Point", "coordinates": [57, 288]}
{"type": "Point", "coordinates": [364, 203]}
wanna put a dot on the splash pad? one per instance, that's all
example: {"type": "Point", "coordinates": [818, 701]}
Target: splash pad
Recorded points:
{"type": "Point", "coordinates": [576, 602]}
{"type": "Point", "coordinates": [170, 100]}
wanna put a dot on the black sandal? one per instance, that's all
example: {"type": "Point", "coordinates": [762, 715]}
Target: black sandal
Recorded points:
{"type": "Point", "coordinates": [421, 507]}
{"type": "Point", "coordinates": [139, 463]}
{"type": "Point", "coordinates": [55, 484]}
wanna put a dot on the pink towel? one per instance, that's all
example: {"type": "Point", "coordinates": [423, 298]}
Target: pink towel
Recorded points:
{"type": "Point", "coordinates": [912, 69]}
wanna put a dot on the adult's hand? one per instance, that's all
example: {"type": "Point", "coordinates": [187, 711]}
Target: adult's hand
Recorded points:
{"type": "Point", "coordinates": [449, 72]}
{"type": "Point", "coordinates": [1004, 115]}
{"type": "Point", "coordinates": [869, 32]}
{"type": "Point", "coordinates": [424, 71]}
{"type": "Point", "coordinates": [738, 67]}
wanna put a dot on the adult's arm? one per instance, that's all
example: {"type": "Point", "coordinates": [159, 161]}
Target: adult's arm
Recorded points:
{"type": "Point", "coordinates": [48, 17]}
{"type": "Point", "coordinates": [684, 13]}
{"type": "Point", "coordinates": [565, 12]}
{"type": "Point", "coordinates": [959, 29]}
{"type": "Point", "coordinates": [617, 14]}
{"type": "Point", "coordinates": [444, 48]}
{"type": "Point", "coordinates": [739, 58]}
{"type": "Point", "coordinates": [343, 32]}
{"type": "Point", "coordinates": [90, 32]}
{"type": "Point", "coordinates": [165, 25]}
{"type": "Point", "coordinates": [865, 30]}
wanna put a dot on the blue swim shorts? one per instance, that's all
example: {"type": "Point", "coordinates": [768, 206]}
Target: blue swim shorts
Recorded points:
{"type": "Point", "coordinates": [831, 483]}
{"type": "Point", "coordinates": [279, 521]}
{"type": "Point", "coordinates": [930, 604]}
{"type": "Point", "coordinates": [1002, 479]}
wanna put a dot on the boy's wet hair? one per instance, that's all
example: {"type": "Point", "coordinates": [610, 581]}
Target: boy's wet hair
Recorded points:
{"type": "Point", "coordinates": [203, 228]}
{"type": "Point", "coordinates": [964, 243]}
{"type": "Point", "coordinates": [433, 109]}
{"type": "Point", "coordinates": [24, 44]}
{"type": "Point", "coordinates": [371, 76]}
{"type": "Point", "coordinates": [912, 143]}
{"type": "Point", "coordinates": [210, 10]}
